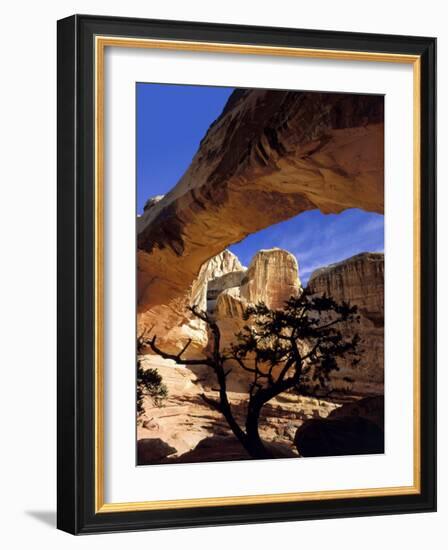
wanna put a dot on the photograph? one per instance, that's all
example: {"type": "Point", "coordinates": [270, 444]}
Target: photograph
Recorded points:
{"type": "Point", "coordinates": [260, 261]}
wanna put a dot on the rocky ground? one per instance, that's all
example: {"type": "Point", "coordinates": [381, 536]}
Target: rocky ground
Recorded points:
{"type": "Point", "coordinates": [188, 429]}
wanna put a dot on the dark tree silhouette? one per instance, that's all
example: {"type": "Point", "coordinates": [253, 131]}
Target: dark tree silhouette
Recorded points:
{"type": "Point", "coordinates": [149, 384]}
{"type": "Point", "coordinates": [291, 348]}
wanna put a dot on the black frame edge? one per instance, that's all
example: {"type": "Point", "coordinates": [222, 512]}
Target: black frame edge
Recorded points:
{"type": "Point", "coordinates": [67, 492]}
{"type": "Point", "coordinates": [428, 297]}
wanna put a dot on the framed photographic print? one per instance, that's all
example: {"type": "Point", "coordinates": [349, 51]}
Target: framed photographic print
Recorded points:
{"type": "Point", "coordinates": [246, 271]}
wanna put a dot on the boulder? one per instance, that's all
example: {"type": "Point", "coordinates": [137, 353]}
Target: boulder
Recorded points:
{"type": "Point", "coordinates": [339, 436]}
{"type": "Point", "coordinates": [371, 408]}
{"type": "Point", "coordinates": [152, 451]}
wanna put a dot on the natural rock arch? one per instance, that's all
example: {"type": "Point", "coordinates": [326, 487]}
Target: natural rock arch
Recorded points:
{"type": "Point", "coordinates": [270, 156]}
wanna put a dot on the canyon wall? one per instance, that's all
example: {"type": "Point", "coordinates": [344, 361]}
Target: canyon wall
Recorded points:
{"type": "Point", "coordinates": [360, 281]}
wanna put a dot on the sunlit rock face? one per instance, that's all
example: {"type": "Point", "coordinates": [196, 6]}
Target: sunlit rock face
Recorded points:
{"type": "Point", "coordinates": [270, 156]}
{"type": "Point", "coordinates": [229, 305]}
{"type": "Point", "coordinates": [272, 278]}
{"type": "Point", "coordinates": [360, 281]}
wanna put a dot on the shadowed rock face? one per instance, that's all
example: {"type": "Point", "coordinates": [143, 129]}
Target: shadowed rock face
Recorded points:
{"type": "Point", "coordinates": [152, 451]}
{"type": "Point", "coordinates": [227, 448]}
{"type": "Point", "coordinates": [353, 428]}
{"type": "Point", "coordinates": [371, 408]}
{"type": "Point", "coordinates": [268, 157]}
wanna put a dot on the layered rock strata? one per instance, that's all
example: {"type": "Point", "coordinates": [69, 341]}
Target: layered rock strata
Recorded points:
{"type": "Point", "coordinates": [360, 281]}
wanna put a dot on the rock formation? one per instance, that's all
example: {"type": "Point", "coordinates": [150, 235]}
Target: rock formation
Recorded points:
{"type": "Point", "coordinates": [360, 281]}
{"type": "Point", "coordinates": [229, 283]}
{"type": "Point", "coordinates": [224, 288]}
{"type": "Point", "coordinates": [173, 323]}
{"type": "Point", "coordinates": [272, 278]}
{"type": "Point", "coordinates": [371, 408]}
{"type": "Point", "coordinates": [350, 435]}
{"type": "Point", "coordinates": [153, 451]}
{"type": "Point", "coordinates": [269, 156]}
{"type": "Point", "coordinates": [223, 267]}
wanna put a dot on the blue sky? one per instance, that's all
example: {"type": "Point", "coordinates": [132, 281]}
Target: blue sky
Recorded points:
{"type": "Point", "coordinates": [172, 120]}
{"type": "Point", "coordinates": [317, 239]}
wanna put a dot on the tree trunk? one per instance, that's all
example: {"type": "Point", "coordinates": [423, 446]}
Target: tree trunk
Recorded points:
{"type": "Point", "coordinates": [254, 444]}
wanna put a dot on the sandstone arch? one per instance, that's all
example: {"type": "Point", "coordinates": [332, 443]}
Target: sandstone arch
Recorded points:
{"type": "Point", "coordinates": [270, 156]}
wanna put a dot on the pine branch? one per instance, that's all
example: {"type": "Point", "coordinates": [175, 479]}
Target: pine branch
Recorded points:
{"type": "Point", "coordinates": [178, 357]}
{"type": "Point", "coordinates": [212, 402]}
